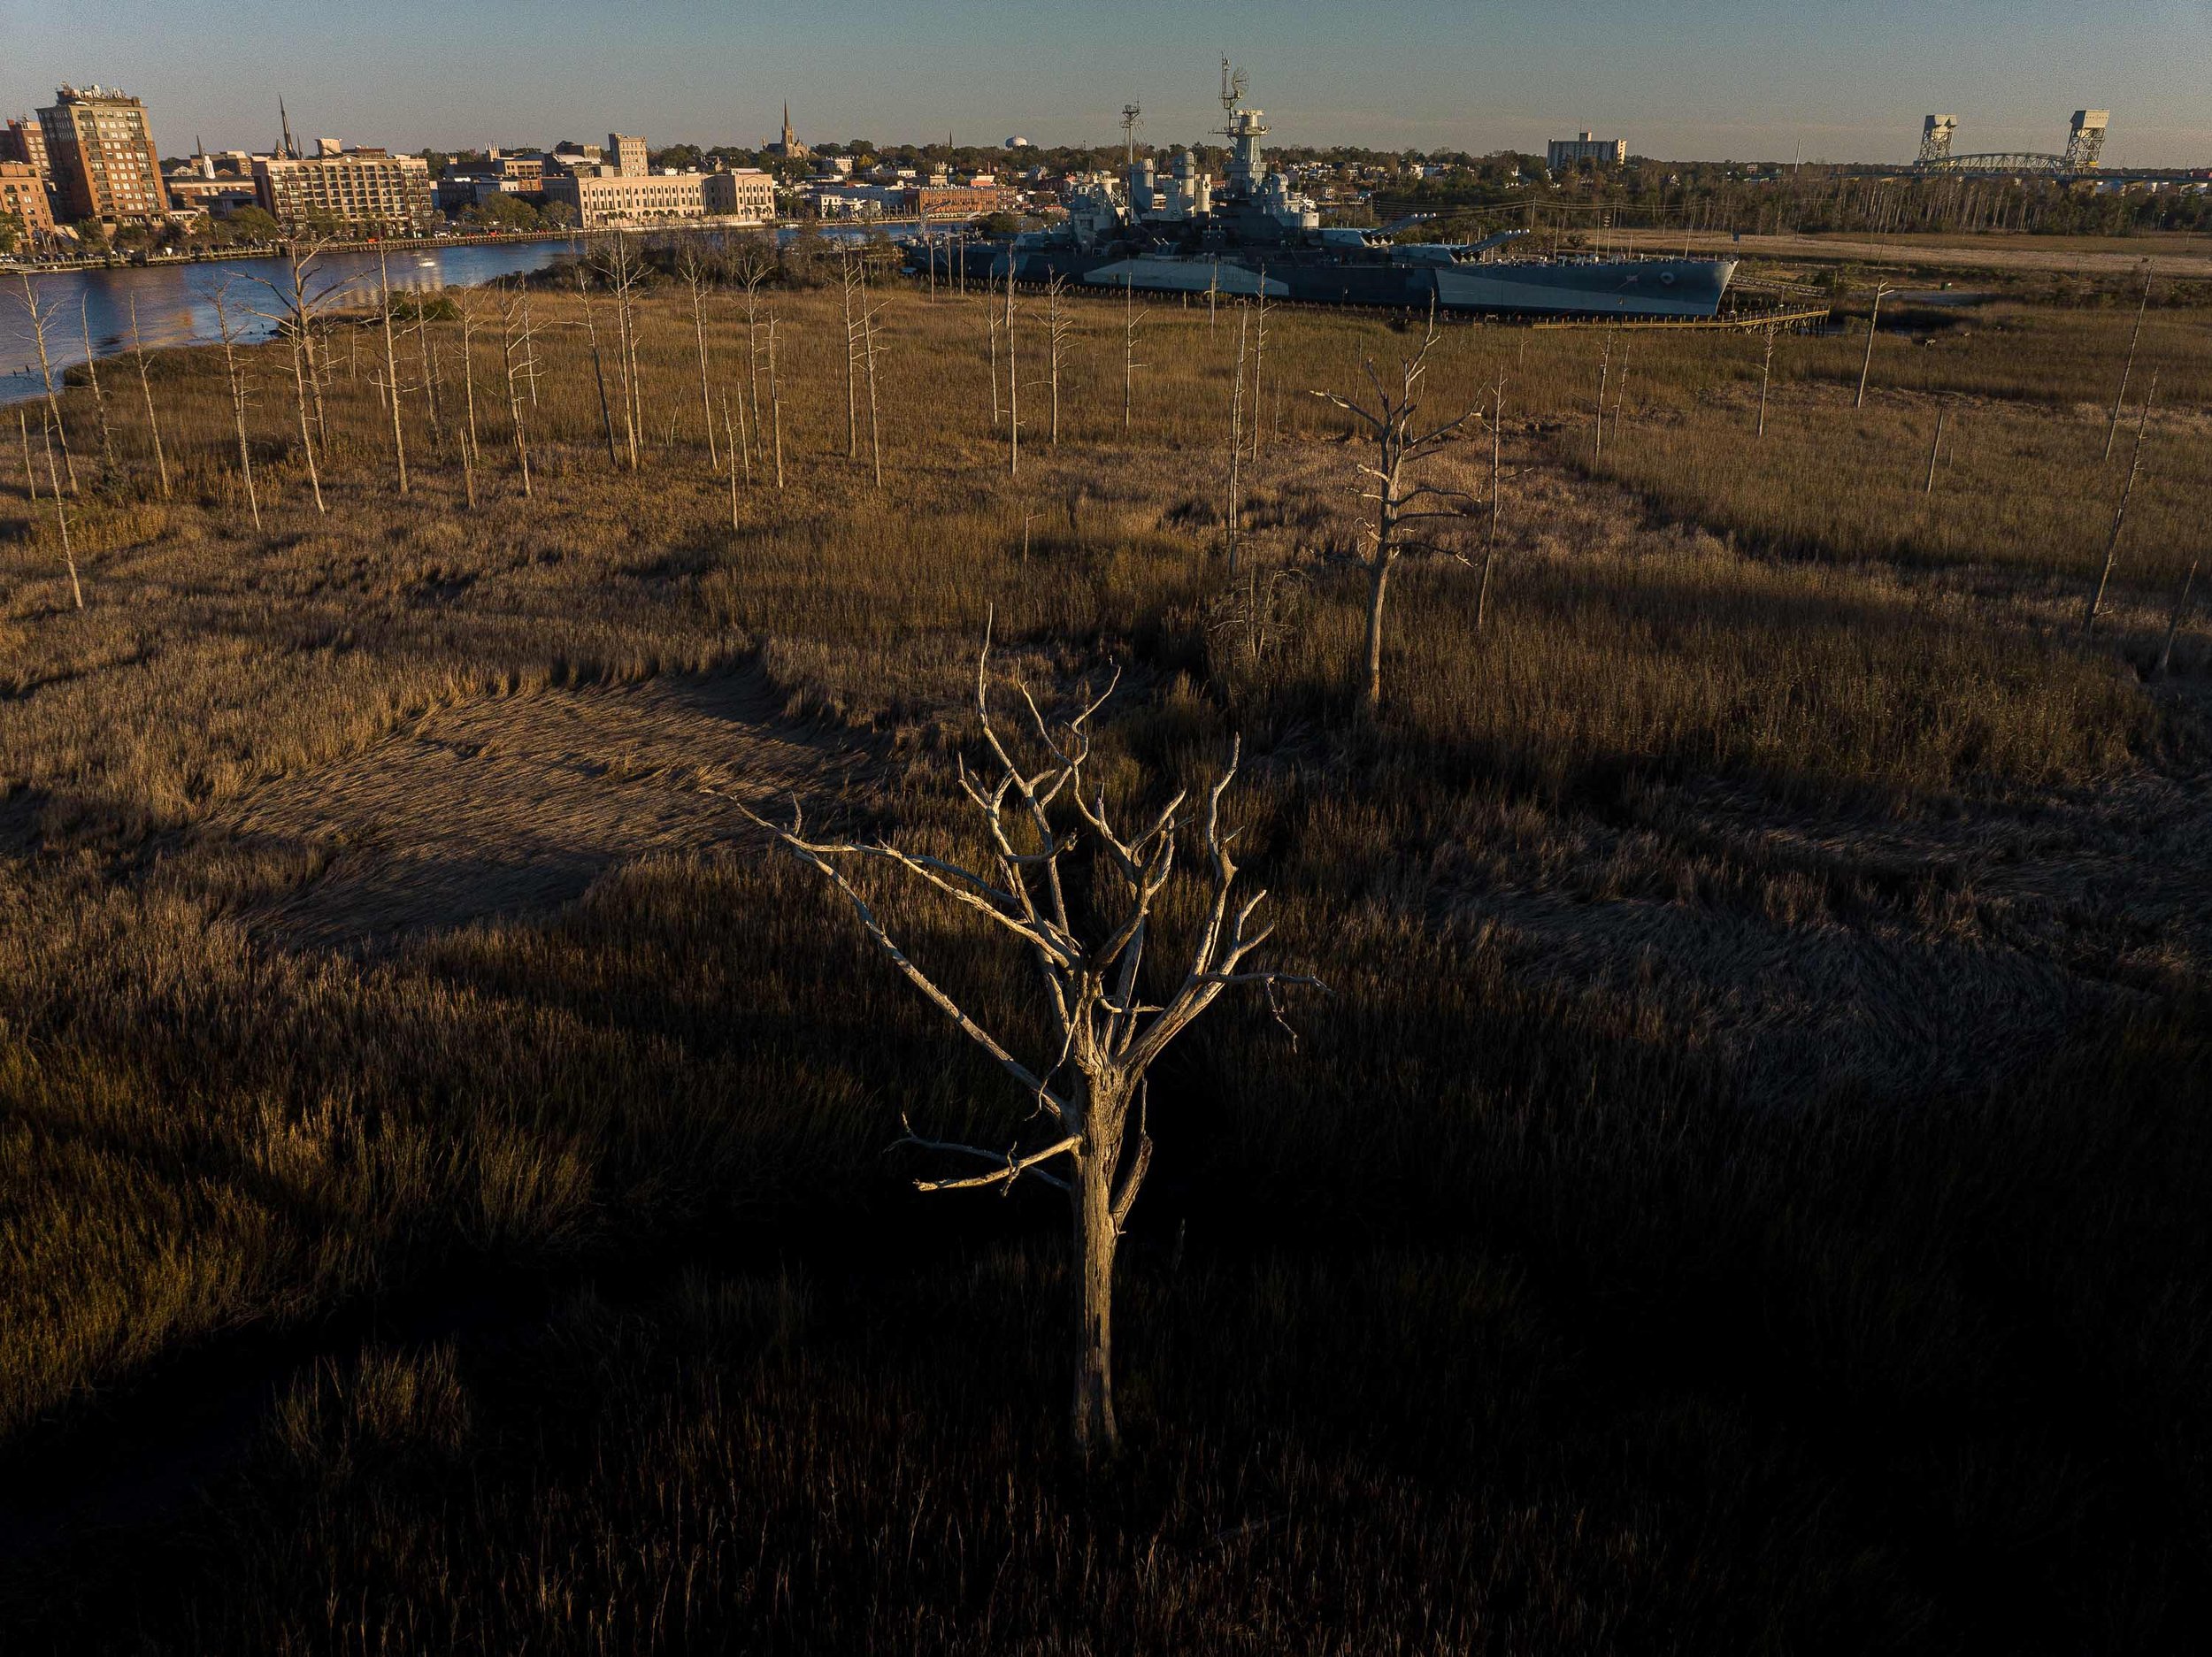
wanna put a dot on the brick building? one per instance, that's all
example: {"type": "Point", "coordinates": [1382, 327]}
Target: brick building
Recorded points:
{"type": "Point", "coordinates": [23, 195]}
{"type": "Point", "coordinates": [24, 140]}
{"type": "Point", "coordinates": [101, 155]}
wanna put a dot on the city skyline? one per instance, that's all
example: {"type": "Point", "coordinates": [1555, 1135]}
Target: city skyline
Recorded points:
{"type": "Point", "coordinates": [1717, 79]}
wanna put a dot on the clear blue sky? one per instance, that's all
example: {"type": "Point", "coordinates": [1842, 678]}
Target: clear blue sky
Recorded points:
{"type": "Point", "coordinates": [1693, 78]}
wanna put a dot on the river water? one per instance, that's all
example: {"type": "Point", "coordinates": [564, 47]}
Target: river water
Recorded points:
{"type": "Point", "coordinates": [174, 307]}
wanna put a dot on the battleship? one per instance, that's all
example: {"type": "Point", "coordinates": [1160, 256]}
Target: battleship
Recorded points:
{"type": "Point", "coordinates": [1171, 231]}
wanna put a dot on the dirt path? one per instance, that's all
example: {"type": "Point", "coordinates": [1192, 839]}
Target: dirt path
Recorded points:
{"type": "Point", "coordinates": [1994, 253]}
{"type": "Point", "coordinates": [517, 805]}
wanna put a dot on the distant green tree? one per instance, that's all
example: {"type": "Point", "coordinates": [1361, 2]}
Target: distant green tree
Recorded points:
{"type": "Point", "coordinates": [11, 232]}
{"type": "Point", "coordinates": [92, 236]}
{"type": "Point", "coordinates": [683, 157]}
{"type": "Point", "coordinates": [246, 224]}
{"type": "Point", "coordinates": [503, 212]}
{"type": "Point", "coordinates": [558, 215]}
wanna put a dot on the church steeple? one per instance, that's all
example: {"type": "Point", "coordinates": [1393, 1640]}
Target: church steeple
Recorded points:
{"type": "Point", "coordinates": [290, 150]}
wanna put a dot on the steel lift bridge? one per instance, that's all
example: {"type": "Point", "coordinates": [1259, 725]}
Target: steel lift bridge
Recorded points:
{"type": "Point", "coordinates": [2084, 144]}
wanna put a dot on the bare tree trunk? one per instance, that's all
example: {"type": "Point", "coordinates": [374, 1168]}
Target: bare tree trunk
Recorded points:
{"type": "Point", "coordinates": [2120, 396]}
{"type": "Point", "coordinates": [868, 341]}
{"type": "Point", "coordinates": [429, 375]}
{"type": "Point", "coordinates": [1013, 384]}
{"type": "Point", "coordinates": [153, 426]}
{"type": "Point", "coordinates": [1259, 353]}
{"type": "Point", "coordinates": [30, 477]}
{"type": "Point", "coordinates": [1236, 443]}
{"type": "Point", "coordinates": [1935, 448]}
{"type": "Point", "coordinates": [237, 403]}
{"type": "Point", "coordinates": [1766, 372]}
{"type": "Point", "coordinates": [1097, 1432]}
{"type": "Point", "coordinates": [990, 327]}
{"type": "Point", "coordinates": [598, 369]}
{"type": "Point", "coordinates": [732, 442]}
{"type": "Point", "coordinates": [1056, 325]}
{"type": "Point", "coordinates": [41, 318]}
{"type": "Point", "coordinates": [468, 385]}
{"type": "Point", "coordinates": [1129, 320]}
{"type": "Point", "coordinates": [391, 365]}
{"type": "Point", "coordinates": [1873, 320]}
{"type": "Point", "coordinates": [92, 378]}
{"type": "Point", "coordinates": [775, 398]}
{"type": "Point", "coordinates": [307, 440]}
{"type": "Point", "coordinates": [514, 389]}
{"type": "Point", "coordinates": [61, 517]}
{"type": "Point", "coordinates": [1490, 551]}
{"type": "Point", "coordinates": [1377, 591]}
{"type": "Point", "coordinates": [2119, 515]}
{"type": "Point", "coordinates": [695, 275]}
{"type": "Point", "coordinates": [852, 340]}
{"type": "Point", "coordinates": [2173, 627]}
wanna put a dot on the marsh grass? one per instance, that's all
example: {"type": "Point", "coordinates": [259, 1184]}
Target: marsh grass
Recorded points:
{"type": "Point", "coordinates": [1513, 1307]}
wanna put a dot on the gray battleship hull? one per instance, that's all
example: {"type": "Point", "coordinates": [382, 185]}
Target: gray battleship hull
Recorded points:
{"type": "Point", "coordinates": [1527, 288]}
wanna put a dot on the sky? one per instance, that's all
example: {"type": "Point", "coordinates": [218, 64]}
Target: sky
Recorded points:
{"type": "Point", "coordinates": [1680, 79]}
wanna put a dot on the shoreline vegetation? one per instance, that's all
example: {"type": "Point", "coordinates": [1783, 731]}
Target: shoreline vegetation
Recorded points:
{"type": "Point", "coordinates": [1743, 1190]}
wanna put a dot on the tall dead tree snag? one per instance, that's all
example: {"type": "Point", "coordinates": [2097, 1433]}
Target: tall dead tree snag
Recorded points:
{"type": "Point", "coordinates": [300, 301]}
{"type": "Point", "coordinates": [1059, 332]}
{"type": "Point", "coordinates": [693, 270]}
{"type": "Point", "coordinates": [1399, 444]}
{"type": "Point", "coordinates": [228, 331]}
{"type": "Point", "coordinates": [40, 312]}
{"type": "Point", "coordinates": [146, 390]}
{"type": "Point", "coordinates": [1109, 1025]}
{"type": "Point", "coordinates": [391, 364]}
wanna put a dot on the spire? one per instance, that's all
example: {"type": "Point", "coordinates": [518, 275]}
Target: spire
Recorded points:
{"type": "Point", "coordinates": [290, 152]}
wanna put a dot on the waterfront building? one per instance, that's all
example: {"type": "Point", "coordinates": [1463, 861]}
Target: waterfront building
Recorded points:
{"type": "Point", "coordinates": [101, 157]}
{"type": "Point", "coordinates": [364, 191]}
{"type": "Point", "coordinates": [627, 154]}
{"type": "Point", "coordinates": [744, 193]}
{"type": "Point", "coordinates": [23, 195]}
{"type": "Point", "coordinates": [24, 140]}
{"type": "Point", "coordinates": [605, 197]}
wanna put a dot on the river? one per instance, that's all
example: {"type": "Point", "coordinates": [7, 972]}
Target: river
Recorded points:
{"type": "Point", "coordinates": [174, 307]}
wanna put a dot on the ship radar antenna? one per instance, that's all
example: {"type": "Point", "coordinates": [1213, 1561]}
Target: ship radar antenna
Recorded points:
{"type": "Point", "coordinates": [1129, 113]}
{"type": "Point", "coordinates": [1233, 85]}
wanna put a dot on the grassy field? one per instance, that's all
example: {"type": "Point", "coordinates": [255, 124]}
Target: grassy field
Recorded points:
{"type": "Point", "coordinates": [1743, 1191]}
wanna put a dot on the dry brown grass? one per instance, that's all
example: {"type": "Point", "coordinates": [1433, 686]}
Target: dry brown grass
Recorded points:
{"type": "Point", "coordinates": [1831, 747]}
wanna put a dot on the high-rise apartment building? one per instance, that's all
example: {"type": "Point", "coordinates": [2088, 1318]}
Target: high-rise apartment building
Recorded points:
{"type": "Point", "coordinates": [358, 191]}
{"type": "Point", "coordinates": [24, 140]}
{"type": "Point", "coordinates": [627, 154]}
{"type": "Point", "coordinates": [101, 157]}
{"type": "Point", "coordinates": [1563, 153]}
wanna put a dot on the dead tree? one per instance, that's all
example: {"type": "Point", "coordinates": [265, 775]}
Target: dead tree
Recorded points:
{"type": "Point", "coordinates": [754, 267]}
{"type": "Point", "coordinates": [30, 473]}
{"type": "Point", "coordinates": [61, 518]}
{"type": "Point", "coordinates": [516, 356]}
{"type": "Point", "coordinates": [598, 363]}
{"type": "Point", "coordinates": [775, 397]}
{"type": "Point", "coordinates": [2119, 397]}
{"type": "Point", "coordinates": [1013, 384]}
{"type": "Point", "coordinates": [1059, 330]}
{"type": "Point", "coordinates": [391, 364]}
{"type": "Point", "coordinates": [428, 365]}
{"type": "Point", "coordinates": [92, 379]}
{"type": "Point", "coordinates": [1234, 510]}
{"type": "Point", "coordinates": [1935, 450]}
{"type": "Point", "coordinates": [848, 284]}
{"type": "Point", "coordinates": [1766, 373]}
{"type": "Point", "coordinates": [2119, 515]}
{"type": "Point", "coordinates": [1882, 290]}
{"type": "Point", "coordinates": [730, 439]}
{"type": "Point", "coordinates": [146, 389]}
{"type": "Point", "coordinates": [299, 300]}
{"type": "Point", "coordinates": [1107, 1025]}
{"type": "Point", "coordinates": [1130, 318]}
{"type": "Point", "coordinates": [1259, 355]}
{"type": "Point", "coordinates": [693, 272]}
{"type": "Point", "coordinates": [1497, 487]}
{"type": "Point", "coordinates": [468, 381]}
{"type": "Point", "coordinates": [618, 265]}
{"type": "Point", "coordinates": [40, 313]}
{"type": "Point", "coordinates": [228, 334]}
{"type": "Point", "coordinates": [2173, 626]}
{"type": "Point", "coordinates": [869, 312]}
{"type": "Point", "coordinates": [1400, 445]}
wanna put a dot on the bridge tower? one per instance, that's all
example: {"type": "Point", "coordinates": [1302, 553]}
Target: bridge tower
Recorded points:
{"type": "Point", "coordinates": [2085, 139]}
{"type": "Point", "coordinates": [1935, 138]}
